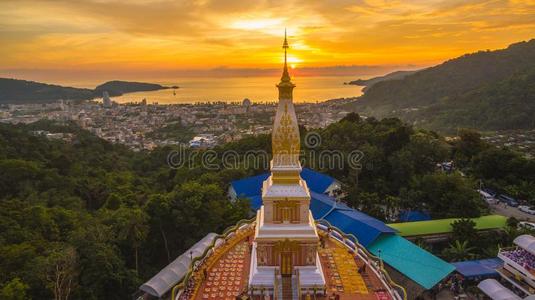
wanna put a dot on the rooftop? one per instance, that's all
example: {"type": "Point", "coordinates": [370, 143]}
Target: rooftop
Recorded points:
{"type": "Point", "coordinates": [444, 225]}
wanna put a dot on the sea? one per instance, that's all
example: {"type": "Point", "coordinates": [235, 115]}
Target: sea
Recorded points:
{"type": "Point", "coordinates": [234, 89]}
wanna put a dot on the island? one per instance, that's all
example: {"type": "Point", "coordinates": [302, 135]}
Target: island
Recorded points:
{"type": "Point", "coordinates": [16, 91]}
{"type": "Point", "coordinates": [118, 88]}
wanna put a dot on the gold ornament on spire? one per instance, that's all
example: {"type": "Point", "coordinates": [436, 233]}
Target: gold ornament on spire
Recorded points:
{"type": "Point", "coordinates": [285, 135]}
{"type": "Point", "coordinates": [285, 75]}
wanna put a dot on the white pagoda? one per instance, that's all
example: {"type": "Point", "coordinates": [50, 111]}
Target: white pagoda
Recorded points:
{"type": "Point", "coordinates": [285, 241]}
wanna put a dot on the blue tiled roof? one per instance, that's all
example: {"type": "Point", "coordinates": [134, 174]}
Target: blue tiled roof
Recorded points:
{"type": "Point", "coordinates": [256, 202]}
{"type": "Point", "coordinates": [365, 228]}
{"type": "Point", "coordinates": [316, 181]}
{"type": "Point", "coordinates": [320, 205]}
{"type": "Point", "coordinates": [252, 186]}
{"type": "Point", "coordinates": [479, 268]}
{"type": "Point", "coordinates": [412, 261]}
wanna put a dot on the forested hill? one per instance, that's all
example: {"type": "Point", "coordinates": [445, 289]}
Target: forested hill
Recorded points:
{"type": "Point", "coordinates": [106, 219]}
{"type": "Point", "coordinates": [15, 91]}
{"type": "Point", "coordinates": [482, 85]}
{"type": "Point", "coordinates": [23, 91]}
{"type": "Point", "coordinates": [97, 216]}
{"type": "Point", "coordinates": [117, 87]}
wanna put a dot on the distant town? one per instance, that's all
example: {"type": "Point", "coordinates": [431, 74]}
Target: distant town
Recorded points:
{"type": "Point", "coordinates": [144, 126]}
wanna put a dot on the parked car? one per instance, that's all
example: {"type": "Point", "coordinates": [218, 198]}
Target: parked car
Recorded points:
{"type": "Point", "coordinates": [527, 209]}
{"type": "Point", "coordinates": [508, 199]}
{"type": "Point", "coordinates": [490, 191]}
{"type": "Point", "coordinates": [487, 197]}
{"type": "Point", "coordinates": [527, 225]}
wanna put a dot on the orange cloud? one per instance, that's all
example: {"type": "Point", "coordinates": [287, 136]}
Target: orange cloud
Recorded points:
{"type": "Point", "coordinates": [203, 34]}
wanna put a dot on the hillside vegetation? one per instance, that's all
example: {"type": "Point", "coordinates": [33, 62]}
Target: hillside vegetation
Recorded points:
{"type": "Point", "coordinates": [483, 90]}
{"type": "Point", "coordinates": [104, 219]}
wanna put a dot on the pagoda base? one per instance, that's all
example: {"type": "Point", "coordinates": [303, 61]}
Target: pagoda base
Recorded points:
{"type": "Point", "coordinates": [264, 277]}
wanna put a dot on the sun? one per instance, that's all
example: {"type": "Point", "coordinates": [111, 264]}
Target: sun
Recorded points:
{"type": "Point", "coordinates": [256, 24]}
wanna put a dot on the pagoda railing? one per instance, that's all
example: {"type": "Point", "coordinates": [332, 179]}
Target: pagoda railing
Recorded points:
{"type": "Point", "coordinates": [210, 252]}
{"type": "Point", "coordinates": [375, 263]}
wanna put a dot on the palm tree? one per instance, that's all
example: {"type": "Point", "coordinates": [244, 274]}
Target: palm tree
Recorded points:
{"type": "Point", "coordinates": [134, 230]}
{"type": "Point", "coordinates": [459, 251]}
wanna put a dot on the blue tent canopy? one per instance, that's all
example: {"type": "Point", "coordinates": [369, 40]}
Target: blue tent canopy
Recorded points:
{"type": "Point", "coordinates": [479, 268]}
{"type": "Point", "coordinates": [413, 216]}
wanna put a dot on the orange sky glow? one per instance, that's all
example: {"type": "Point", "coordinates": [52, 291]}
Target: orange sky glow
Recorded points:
{"type": "Point", "coordinates": [122, 36]}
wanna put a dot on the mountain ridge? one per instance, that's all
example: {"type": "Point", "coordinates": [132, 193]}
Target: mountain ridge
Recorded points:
{"type": "Point", "coordinates": [419, 96]}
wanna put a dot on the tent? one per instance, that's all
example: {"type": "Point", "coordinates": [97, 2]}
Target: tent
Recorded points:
{"type": "Point", "coordinates": [479, 268]}
{"type": "Point", "coordinates": [413, 216]}
{"type": "Point", "coordinates": [526, 242]}
{"type": "Point", "coordinates": [496, 291]}
{"type": "Point", "coordinates": [169, 276]}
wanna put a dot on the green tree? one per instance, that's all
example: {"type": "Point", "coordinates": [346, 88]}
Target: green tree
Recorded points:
{"type": "Point", "coordinates": [458, 251]}
{"type": "Point", "coordinates": [60, 271]}
{"type": "Point", "coordinates": [446, 196]}
{"type": "Point", "coordinates": [132, 228]}
{"type": "Point", "coordinates": [15, 289]}
{"type": "Point", "coordinates": [464, 230]}
{"type": "Point", "coordinates": [468, 146]}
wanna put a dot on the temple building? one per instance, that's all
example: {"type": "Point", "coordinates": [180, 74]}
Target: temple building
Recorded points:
{"type": "Point", "coordinates": [285, 240]}
{"type": "Point", "coordinates": [302, 243]}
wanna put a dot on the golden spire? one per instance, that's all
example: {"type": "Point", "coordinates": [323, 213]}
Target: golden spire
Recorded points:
{"type": "Point", "coordinates": [285, 135]}
{"type": "Point", "coordinates": [285, 74]}
{"type": "Point", "coordinates": [285, 85]}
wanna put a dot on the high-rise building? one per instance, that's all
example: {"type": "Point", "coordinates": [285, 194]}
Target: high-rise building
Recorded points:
{"type": "Point", "coordinates": [106, 101]}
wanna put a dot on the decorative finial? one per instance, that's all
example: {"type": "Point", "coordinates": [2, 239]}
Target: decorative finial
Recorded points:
{"type": "Point", "coordinates": [285, 74]}
{"type": "Point", "coordinates": [285, 44]}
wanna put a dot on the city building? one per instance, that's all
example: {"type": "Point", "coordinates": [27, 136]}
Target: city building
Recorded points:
{"type": "Point", "coordinates": [106, 101]}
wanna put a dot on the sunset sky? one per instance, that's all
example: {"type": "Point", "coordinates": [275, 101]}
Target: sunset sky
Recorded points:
{"type": "Point", "coordinates": [81, 38]}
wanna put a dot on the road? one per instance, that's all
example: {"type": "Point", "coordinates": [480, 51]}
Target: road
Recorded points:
{"type": "Point", "coordinates": [508, 211]}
